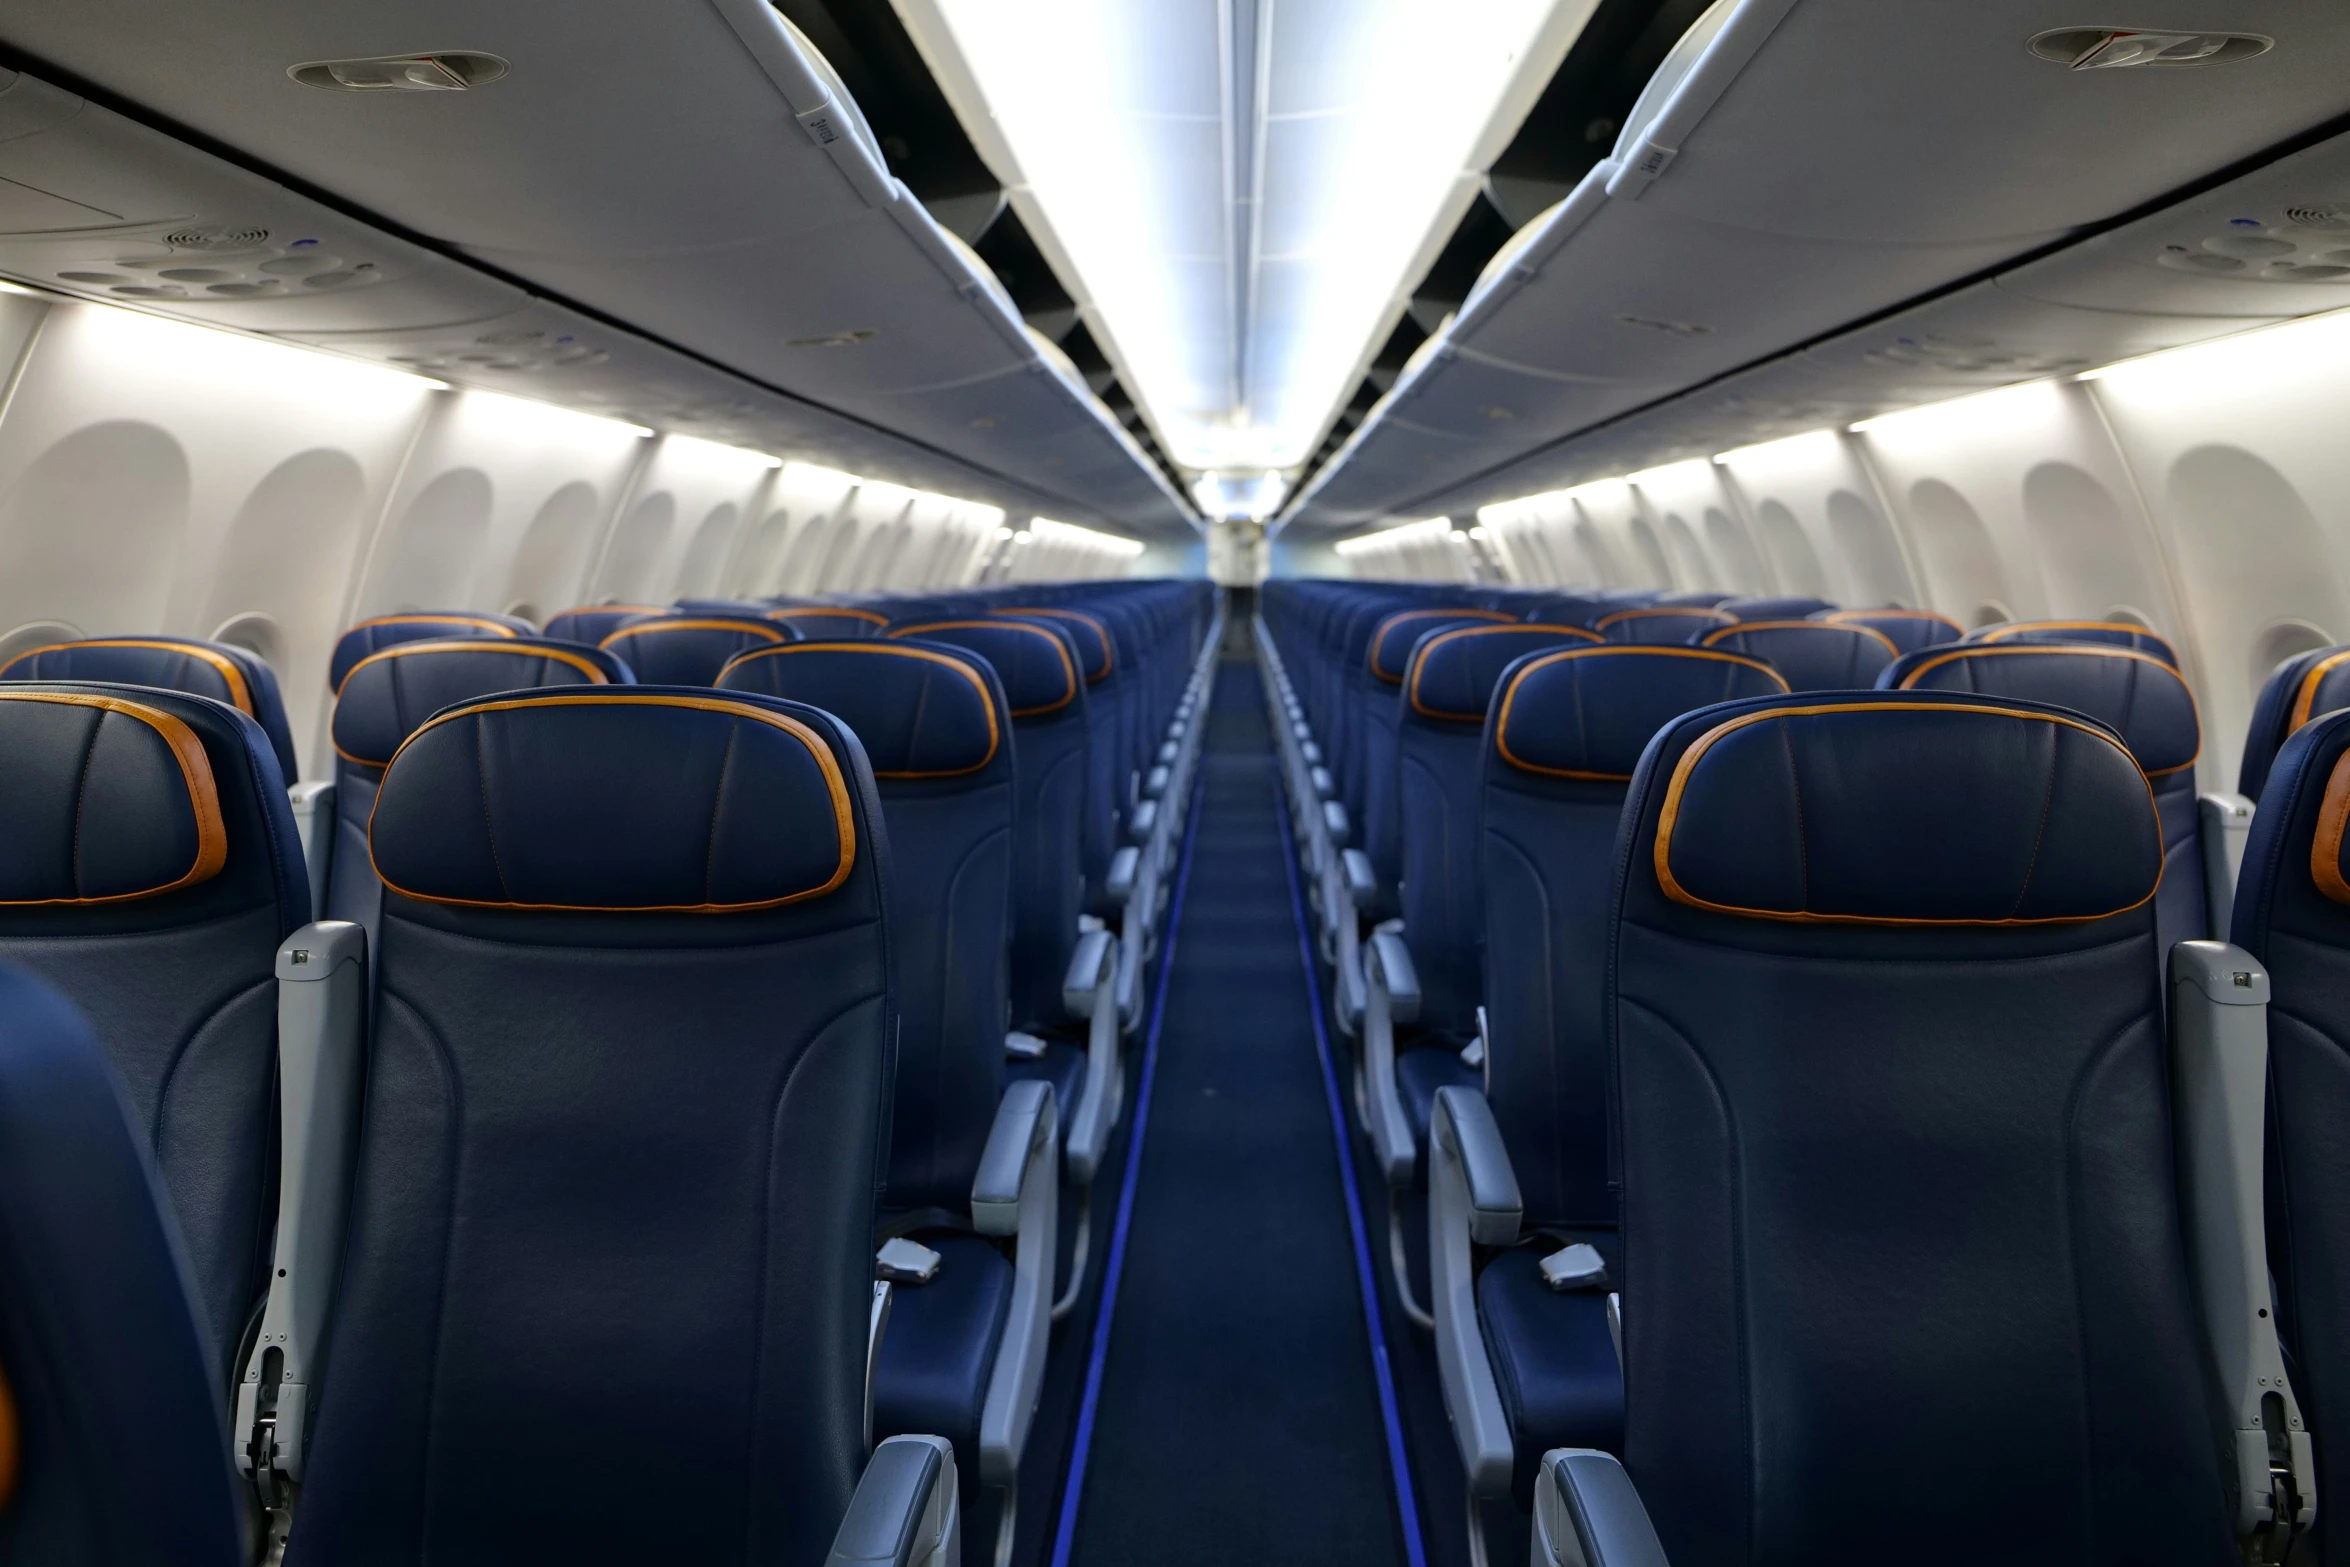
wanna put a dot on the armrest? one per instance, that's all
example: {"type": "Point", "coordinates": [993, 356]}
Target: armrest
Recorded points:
{"type": "Point", "coordinates": [2226, 822]}
{"type": "Point", "coordinates": [1472, 1201]}
{"type": "Point", "coordinates": [314, 825]}
{"type": "Point", "coordinates": [1018, 1192]}
{"type": "Point", "coordinates": [1123, 865]}
{"type": "Point", "coordinates": [321, 1032]}
{"type": "Point", "coordinates": [905, 1512]}
{"type": "Point", "coordinates": [1089, 965]}
{"type": "Point", "coordinates": [2219, 1077]}
{"type": "Point", "coordinates": [1168, 750]}
{"type": "Point", "coordinates": [1146, 819]}
{"type": "Point", "coordinates": [1361, 881]}
{"type": "Point", "coordinates": [1312, 754]}
{"type": "Point", "coordinates": [1334, 821]}
{"type": "Point", "coordinates": [1154, 783]}
{"type": "Point", "coordinates": [1587, 1514]}
{"type": "Point", "coordinates": [1391, 968]}
{"type": "Point", "coordinates": [1385, 962]}
{"type": "Point", "coordinates": [1324, 785]}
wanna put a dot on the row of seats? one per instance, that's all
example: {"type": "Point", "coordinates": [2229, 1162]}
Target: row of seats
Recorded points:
{"type": "Point", "coordinates": [1782, 1067]}
{"type": "Point", "coordinates": [639, 1015]}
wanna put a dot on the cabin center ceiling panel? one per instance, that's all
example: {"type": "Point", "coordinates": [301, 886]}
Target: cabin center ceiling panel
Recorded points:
{"type": "Point", "coordinates": [1243, 189]}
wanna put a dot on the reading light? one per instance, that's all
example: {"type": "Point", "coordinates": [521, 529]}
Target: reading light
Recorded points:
{"type": "Point", "coordinates": [520, 418]}
{"type": "Point", "coordinates": [1242, 190]}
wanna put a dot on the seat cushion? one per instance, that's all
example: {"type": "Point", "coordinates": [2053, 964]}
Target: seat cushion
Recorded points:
{"type": "Point", "coordinates": [1062, 1065]}
{"type": "Point", "coordinates": [1554, 1359]}
{"type": "Point", "coordinates": [938, 1350]}
{"type": "Point", "coordinates": [1419, 1073]}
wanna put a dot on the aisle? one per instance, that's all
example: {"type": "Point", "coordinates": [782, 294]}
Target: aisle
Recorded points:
{"type": "Point", "coordinates": [1238, 1416]}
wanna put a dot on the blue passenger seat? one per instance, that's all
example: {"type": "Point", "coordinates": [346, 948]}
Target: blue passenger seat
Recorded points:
{"type": "Point", "coordinates": [1789, 607]}
{"type": "Point", "coordinates": [1378, 688]}
{"type": "Point", "coordinates": [109, 1387]}
{"type": "Point", "coordinates": [592, 623]}
{"type": "Point", "coordinates": [373, 636]}
{"type": "Point", "coordinates": [1106, 747]}
{"type": "Point", "coordinates": [151, 873]}
{"type": "Point", "coordinates": [1907, 629]}
{"type": "Point", "coordinates": [387, 696]}
{"type": "Point", "coordinates": [689, 650]}
{"type": "Point", "coordinates": [608, 1285]}
{"type": "Point", "coordinates": [1660, 625]}
{"type": "Point", "coordinates": [218, 670]}
{"type": "Point", "coordinates": [2298, 690]}
{"type": "Point", "coordinates": [830, 622]}
{"type": "Point", "coordinates": [1811, 655]}
{"type": "Point", "coordinates": [2111, 633]}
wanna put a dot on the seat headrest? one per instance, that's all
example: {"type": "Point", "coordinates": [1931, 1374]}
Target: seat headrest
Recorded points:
{"type": "Point", "coordinates": [689, 650]}
{"type": "Point", "coordinates": [2136, 695]}
{"type": "Point", "coordinates": [636, 800]}
{"type": "Point", "coordinates": [1789, 607]}
{"type": "Point", "coordinates": [218, 670]}
{"type": "Point", "coordinates": [1588, 713]}
{"type": "Point", "coordinates": [1704, 600]}
{"type": "Point", "coordinates": [2326, 866]}
{"type": "Point", "coordinates": [2323, 687]}
{"type": "Point", "coordinates": [1659, 625]}
{"type": "Point", "coordinates": [1920, 809]}
{"type": "Point", "coordinates": [371, 636]}
{"type": "Point", "coordinates": [388, 694]}
{"type": "Point", "coordinates": [591, 623]}
{"type": "Point", "coordinates": [1393, 638]}
{"type": "Point", "coordinates": [1034, 662]}
{"type": "Point", "coordinates": [1096, 652]}
{"type": "Point", "coordinates": [1906, 629]}
{"type": "Point", "coordinates": [921, 710]}
{"type": "Point", "coordinates": [107, 798]}
{"type": "Point", "coordinates": [2110, 633]}
{"type": "Point", "coordinates": [1810, 655]}
{"type": "Point", "coordinates": [830, 622]}
{"type": "Point", "coordinates": [1453, 672]}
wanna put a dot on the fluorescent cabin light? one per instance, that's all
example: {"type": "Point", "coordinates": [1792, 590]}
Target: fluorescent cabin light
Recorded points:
{"type": "Point", "coordinates": [1229, 497]}
{"type": "Point", "coordinates": [1243, 190]}
{"type": "Point", "coordinates": [155, 345]}
{"type": "Point", "coordinates": [1811, 445]}
{"type": "Point", "coordinates": [718, 454]}
{"type": "Point", "coordinates": [2216, 368]}
{"type": "Point", "coordinates": [1425, 531]}
{"type": "Point", "coordinates": [1978, 413]}
{"type": "Point", "coordinates": [1683, 472]}
{"type": "Point", "coordinates": [521, 418]}
{"type": "Point", "coordinates": [1046, 530]}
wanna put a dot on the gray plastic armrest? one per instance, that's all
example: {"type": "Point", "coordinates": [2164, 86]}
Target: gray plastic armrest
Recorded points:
{"type": "Point", "coordinates": [1361, 881]}
{"type": "Point", "coordinates": [1146, 819]}
{"type": "Point", "coordinates": [2226, 820]}
{"type": "Point", "coordinates": [1018, 1192]}
{"type": "Point", "coordinates": [1123, 866]}
{"type": "Point", "coordinates": [1154, 783]}
{"type": "Point", "coordinates": [1391, 967]}
{"type": "Point", "coordinates": [1167, 751]}
{"type": "Point", "coordinates": [321, 1031]}
{"type": "Point", "coordinates": [1089, 965]}
{"type": "Point", "coordinates": [1587, 1514]}
{"type": "Point", "coordinates": [1472, 1201]}
{"type": "Point", "coordinates": [314, 825]}
{"type": "Point", "coordinates": [2219, 1078]}
{"type": "Point", "coordinates": [1334, 821]}
{"type": "Point", "coordinates": [904, 1513]}
{"type": "Point", "coordinates": [1023, 1124]}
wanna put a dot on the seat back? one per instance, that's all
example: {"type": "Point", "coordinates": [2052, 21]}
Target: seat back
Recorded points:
{"type": "Point", "coordinates": [1567, 731]}
{"type": "Point", "coordinates": [109, 1396]}
{"type": "Point", "coordinates": [690, 650]}
{"type": "Point", "coordinates": [625, 1096]}
{"type": "Point", "coordinates": [1811, 655]}
{"type": "Point", "coordinates": [2109, 633]}
{"type": "Point", "coordinates": [2299, 689]}
{"type": "Point", "coordinates": [150, 872]}
{"type": "Point", "coordinates": [1904, 1269]}
{"type": "Point", "coordinates": [1107, 689]}
{"type": "Point", "coordinates": [2138, 697]}
{"type": "Point", "coordinates": [1907, 629]}
{"type": "Point", "coordinates": [831, 622]}
{"type": "Point", "coordinates": [1660, 626]}
{"type": "Point", "coordinates": [217, 670]}
{"type": "Point", "coordinates": [388, 695]}
{"type": "Point", "coordinates": [373, 636]}
{"type": "Point", "coordinates": [936, 731]}
{"type": "Point", "coordinates": [1379, 687]}
{"type": "Point", "coordinates": [1789, 607]}
{"type": "Point", "coordinates": [1700, 600]}
{"type": "Point", "coordinates": [1045, 694]}
{"type": "Point", "coordinates": [1446, 694]}
{"type": "Point", "coordinates": [2293, 914]}
{"type": "Point", "coordinates": [592, 623]}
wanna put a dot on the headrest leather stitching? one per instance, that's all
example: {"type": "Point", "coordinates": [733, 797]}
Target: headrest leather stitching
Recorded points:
{"type": "Point", "coordinates": [1101, 628]}
{"type": "Point", "coordinates": [1388, 624]}
{"type": "Point", "coordinates": [240, 692]}
{"type": "Point", "coordinates": [1501, 726]}
{"type": "Point", "coordinates": [2325, 844]}
{"type": "Point", "coordinates": [586, 666]}
{"type": "Point", "coordinates": [687, 623]}
{"type": "Point", "coordinates": [1744, 626]}
{"type": "Point", "coordinates": [2069, 650]}
{"type": "Point", "coordinates": [859, 650]}
{"type": "Point", "coordinates": [1420, 658]}
{"type": "Point", "coordinates": [195, 771]}
{"type": "Point", "coordinates": [1060, 649]}
{"type": "Point", "coordinates": [2306, 697]}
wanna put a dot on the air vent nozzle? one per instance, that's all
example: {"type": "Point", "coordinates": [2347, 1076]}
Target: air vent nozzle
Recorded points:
{"type": "Point", "coordinates": [2116, 48]}
{"type": "Point", "coordinates": [443, 70]}
{"type": "Point", "coordinates": [2310, 215]}
{"type": "Point", "coordinates": [217, 240]}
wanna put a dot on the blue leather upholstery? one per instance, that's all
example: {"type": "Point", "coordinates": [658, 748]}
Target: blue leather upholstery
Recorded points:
{"type": "Point", "coordinates": [2110, 633]}
{"type": "Point", "coordinates": [831, 622]}
{"type": "Point", "coordinates": [2294, 917]}
{"type": "Point", "coordinates": [724, 609]}
{"type": "Point", "coordinates": [932, 719]}
{"type": "Point", "coordinates": [1037, 667]}
{"type": "Point", "coordinates": [373, 636]}
{"type": "Point", "coordinates": [2296, 691]}
{"type": "Point", "coordinates": [2138, 697]}
{"type": "Point", "coordinates": [689, 650]}
{"type": "Point", "coordinates": [1107, 745]}
{"type": "Point", "coordinates": [215, 669]}
{"type": "Point", "coordinates": [1447, 692]}
{"type": "Point", "coordinates": [940, 1348]}
{"type": "Point", "coordinates": [1567, 610]}
{"type": "Point", "coordinates": [1659, 626]}
{"type": "Point", "coordinates": [114, 1390]}
{"type": "Point", "coordinates": [1567, 733]}
{"type": "Point", "coordinates": [1810, 655]}
{"type": "Point", "coordinates": [1553, 1358]}
{"type": "Point", "coordinates": [1396, 635]}
{"type": "Point", "coordinates": [1903, 1272]}
{"type": "Point", "coordinates": [1790, 607]}
{"type": "Point", "coordinates": [1386, 655]}
{"type": "Point", "coordinates": [1701, 600]}
{"type": "Point", "coordinates": [592, 623]}
{"type": "Point", "coordinates": [1907, 629]}
{"type": "Point", "coordinates": [617, 1169]}
{"type": "Point", "coordinates": [178, 984]}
